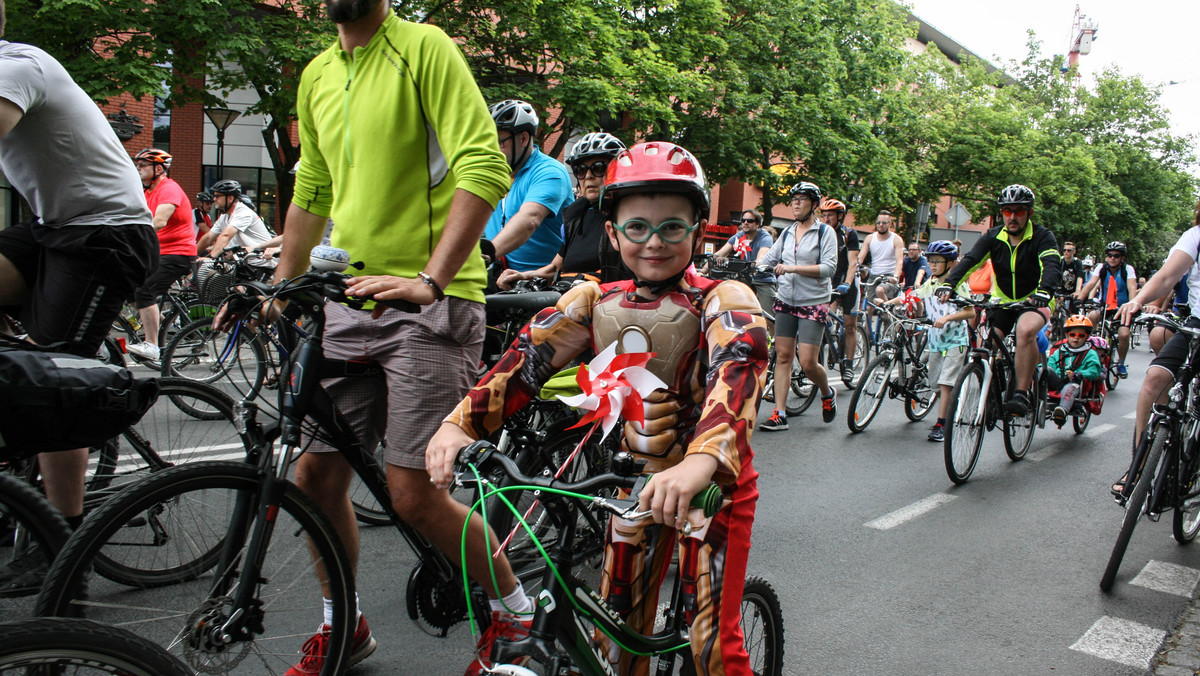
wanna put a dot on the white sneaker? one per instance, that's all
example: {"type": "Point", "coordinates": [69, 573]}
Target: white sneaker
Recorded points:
{"type": "Point", "coordinates": [144, 350]}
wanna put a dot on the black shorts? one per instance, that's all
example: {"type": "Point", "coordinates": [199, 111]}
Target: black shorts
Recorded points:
{"type": "Point", "coordinates": [849, 301]}
{"type": "Point", "coordinates": [78, 277]}
{"type": "Point", "coordinates": [1003, 320]}
{"type": "Point", "coordinates": [169, 268]}
{"type": "Point", "coordinates": [1175, 352]}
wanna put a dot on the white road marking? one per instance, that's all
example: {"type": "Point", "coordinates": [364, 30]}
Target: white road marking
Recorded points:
{"type": "Point", "coordinates": [1123, 641]}
{"type": "Point", "coordinates": [1101, 429]}
{"type": "Point", "coordinates": [1168, 578]}
{"type": "Point", "coordinates": [910, 512]}
{"type": "Point", "coordinates": [1047, 452]}
{"type": "Point", "coordinates": [1131, 415]}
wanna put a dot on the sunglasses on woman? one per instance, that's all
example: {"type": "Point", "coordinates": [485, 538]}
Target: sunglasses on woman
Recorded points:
{"type": "Point", "coordinates": [596, 168]}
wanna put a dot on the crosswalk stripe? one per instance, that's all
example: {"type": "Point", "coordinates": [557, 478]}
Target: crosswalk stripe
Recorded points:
{"type": "Point", "coordinates": [1102, 429]}
{"type": "Point", "coordinates": [1169, 578]}
{"type": "Point", "coordinates": [889, 521]}
{"type": "Point", "coordinates": [1123, 641]}
{"type": "Point", "coordinates": [1131, 415]}
{"type": "Point", "coordinates": [1046, 452]}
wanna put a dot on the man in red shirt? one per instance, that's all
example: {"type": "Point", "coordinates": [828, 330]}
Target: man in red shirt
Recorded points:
{"type": "Point", "coordinates": [173, 223]}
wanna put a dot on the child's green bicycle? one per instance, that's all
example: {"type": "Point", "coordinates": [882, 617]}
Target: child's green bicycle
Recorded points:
{"type": "Point", "coordinates": [569, 613]}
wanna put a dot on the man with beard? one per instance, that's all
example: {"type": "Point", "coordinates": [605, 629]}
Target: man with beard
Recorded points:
{"type": "Point", "coordinates": [392, 89]}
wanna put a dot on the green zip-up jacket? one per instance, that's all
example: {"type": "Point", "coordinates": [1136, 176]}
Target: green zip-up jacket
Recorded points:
{"type": "Point", "coordinates": [1021, 265]}
{"type": "Point", "coordinates": [387, 135]}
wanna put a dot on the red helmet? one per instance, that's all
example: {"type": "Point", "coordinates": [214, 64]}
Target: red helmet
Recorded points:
{"type": "Point", "coordinates": [831, 204]}
{"type": "Point", "coordinates": [154, 156]}
{"type": "Point", "coordinates": [657, 166]}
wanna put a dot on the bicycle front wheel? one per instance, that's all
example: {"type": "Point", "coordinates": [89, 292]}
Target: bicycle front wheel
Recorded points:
{"type": "Point", "coordinates": [61, 645]}
{"type": "Point", "coordinates": [762, 626]}
{"type": "Point", "coordinates": [964, 429]}
{"type": "Point", "coordinates": [174, 528]}
{"type": "Point", "coordinates": [235, 362]}
{"type": "Point", "coordinates": [861, 356]}
{"type": "Point", "coordinates": [31, 534]}
{"type": "Point", "coordinates": [802, 391]}
{"type": "Point", "coordinates": [869, 395]}
{"type": "Point", "coordinates": [1111, 377]}
{"type": "Point", "coordinates": [1159, 437]}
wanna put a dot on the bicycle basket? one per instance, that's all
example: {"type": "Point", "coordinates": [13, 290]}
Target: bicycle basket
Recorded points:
{"type": "Point", "coordinates": [213, 282]}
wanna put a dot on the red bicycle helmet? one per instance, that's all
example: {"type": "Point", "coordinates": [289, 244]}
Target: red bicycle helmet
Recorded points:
{"type": "Point", "coordinates": [656, 166]}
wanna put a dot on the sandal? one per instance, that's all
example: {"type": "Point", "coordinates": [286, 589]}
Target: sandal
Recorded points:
{"type": "Point", "coordinates": [1118, 487]}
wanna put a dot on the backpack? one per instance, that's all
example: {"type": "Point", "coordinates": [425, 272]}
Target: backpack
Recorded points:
{"type": "Point", "coordinates": [1122, 278]}
{"type": "Point", "coordinates": [54, 401]}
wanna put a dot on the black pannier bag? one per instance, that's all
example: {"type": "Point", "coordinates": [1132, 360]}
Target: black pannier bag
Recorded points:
{"type": "Point", "coordinates": [54, 401]}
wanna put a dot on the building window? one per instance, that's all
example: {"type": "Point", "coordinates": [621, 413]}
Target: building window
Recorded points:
{"type": "Point", "coordinates": [162, 124]}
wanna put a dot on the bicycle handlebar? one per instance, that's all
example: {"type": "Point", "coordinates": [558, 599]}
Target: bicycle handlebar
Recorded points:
{"type": "Point", "coordinates": [310, 287]}
{"type": "Point", "coordinates": [486, 457]}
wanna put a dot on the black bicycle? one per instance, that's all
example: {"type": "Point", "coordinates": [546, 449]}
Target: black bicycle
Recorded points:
{"type": "Point", "coordinates": [235, 538]}
{"type": "Point", "coordinates": [899, 372]}
{"type": "Point", "coordinates": [569, 613]}
{"type": "Point", "coordinates": [986, 382]}
{"type": "Point", "coordinates": [1164, 474]}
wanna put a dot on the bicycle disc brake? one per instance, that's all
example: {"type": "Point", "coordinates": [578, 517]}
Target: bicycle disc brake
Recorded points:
{"type": "Point", "coordinates": [202, 649]}
{"type": "Point", "coordinates": [434, 604]}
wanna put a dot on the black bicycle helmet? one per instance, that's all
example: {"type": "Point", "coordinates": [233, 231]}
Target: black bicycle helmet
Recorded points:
{"type": "Point", "coordinates": [1015, 195]}
{"type": "Point", "coordinates": [595, 144]}
{"type": "Point", "coordinates": [809, 190]}
{"type": "Point", "coordinates": [1119, 247]}
{"type": "Point", "coordinates": [226, 187]}
{"type": "Point", "coordinates": [514, 115]}
{"type": "Point", "coordinates": [204, 197]}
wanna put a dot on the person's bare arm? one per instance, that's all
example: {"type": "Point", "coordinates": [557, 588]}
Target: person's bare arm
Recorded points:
{"type": "Point", "coordinates": [519, 228]}
{"type": "Point", "coordinates": [10, 115]}
{"type": "Point", "coordinates": [898, 247]}
{"type": "Point", "coordinates": [162, 215]}
{"type": "Point", "coordinates": [852, 267]}
{"type": "Point", "coordinates": [221, 241]}
{"type": "Point", "coordinates": [1090, 287]}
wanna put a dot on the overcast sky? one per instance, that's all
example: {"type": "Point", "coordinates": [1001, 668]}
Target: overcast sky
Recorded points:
{"type": "Point", "coordinates": [1153, 38]}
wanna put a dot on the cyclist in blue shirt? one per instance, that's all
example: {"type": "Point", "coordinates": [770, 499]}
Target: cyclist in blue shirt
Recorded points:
{"type": "Point", "coordinates": [1113, 283]}
{"type": "Point", "coordinates": [526, 227]}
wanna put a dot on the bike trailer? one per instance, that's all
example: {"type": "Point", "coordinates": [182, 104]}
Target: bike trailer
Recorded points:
{"type": "Point", "coordinates": [54, 401]}
{"type": "Point", "coordinates": [1091, 392]}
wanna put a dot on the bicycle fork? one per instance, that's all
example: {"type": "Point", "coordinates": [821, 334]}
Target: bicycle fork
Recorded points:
{"type": "Point", "coordinates": [986, 387]}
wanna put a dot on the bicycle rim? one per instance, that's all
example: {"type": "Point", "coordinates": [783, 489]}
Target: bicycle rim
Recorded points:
{"type": "Point", "coordinates": [1018, 430]}
{"type": "Point", "coordinates": [175, 520]}
{"type": "Point", "coordinates": [1185, 522]}
{"type": "Point", "coordinates": [1136, 504]}
{"type": "Point", "coordinates": [964, 434]}
{"type": "Point", "coordinates": [235, 364]}
{"type": "Point", "coordinates": [61, 645]}
{"type": "Point", "coordinates": [762, 627]}
{"type": "Point", "coordinates": [869, 395]}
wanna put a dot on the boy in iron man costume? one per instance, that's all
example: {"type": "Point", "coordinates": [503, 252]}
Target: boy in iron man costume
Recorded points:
{"type": "Point", "coordinates": [711, 347]}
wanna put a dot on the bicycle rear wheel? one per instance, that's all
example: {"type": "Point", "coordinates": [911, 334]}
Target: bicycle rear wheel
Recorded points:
{"type": "Point", "coordinates": [869, 395]}
{"type": "Point", "coordinates": [175, 525]}
{"type": "Point", "coordinates": [61, 645]}
{"type": "Point", "coordinates": [964, 428]}
{"type": "Point", "coordinates": [1158, 438]}
{"type": "Point", "coordinates": [1185, 522]}
{"type": "Point", "coordinates": [1111, 377]}
{"type": "Point", "coordinates": [802, 391]}
{"type": "Point", "coordinates": [861, 356]}
{"type": "Point", "coordinates": [1018, 430]}
{"type": "Point", "coordinates": [927, 393]}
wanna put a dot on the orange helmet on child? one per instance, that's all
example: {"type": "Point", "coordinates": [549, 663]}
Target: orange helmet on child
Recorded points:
{"type": "Point", "coordinates": [1078, 322]}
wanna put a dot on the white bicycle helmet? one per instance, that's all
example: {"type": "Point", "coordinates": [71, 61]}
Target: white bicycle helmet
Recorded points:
{"type": "Point", "coordinates": [595, 144]}
{"type": "Point", "coordinates": [514, 115]}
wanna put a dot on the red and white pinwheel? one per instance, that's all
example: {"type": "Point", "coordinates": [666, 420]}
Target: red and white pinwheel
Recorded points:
{"type": "Point", "coordinates": [613, 387]}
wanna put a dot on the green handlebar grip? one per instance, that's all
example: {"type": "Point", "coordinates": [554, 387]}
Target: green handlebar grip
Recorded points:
{"type": "Point", "coordinates": [710, 500]}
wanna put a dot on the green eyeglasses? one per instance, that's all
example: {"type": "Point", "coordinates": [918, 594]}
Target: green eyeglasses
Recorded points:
{"type": "Point", "coordinates": [672, 231]}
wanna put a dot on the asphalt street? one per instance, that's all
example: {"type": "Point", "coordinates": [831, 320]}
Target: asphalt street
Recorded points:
{"type": "Point", "coordinates": [883, 566]}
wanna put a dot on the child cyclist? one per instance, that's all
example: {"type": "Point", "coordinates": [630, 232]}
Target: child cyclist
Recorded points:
{"type": "Point", "coordinates": [1072, 365]}
{"type": "Point", "coordinates": [948, 338]}
{"type": "Point", "coordinates": [710, 346]}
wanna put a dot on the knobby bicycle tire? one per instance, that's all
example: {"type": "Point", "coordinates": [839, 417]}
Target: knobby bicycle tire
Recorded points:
{"type": "Point", "coordinates": [964, 435]}
{"type": "Point", "coordinates": [28, 524]}
{"type": "Point", "coordinates": [871, 391]}
{"type": "Point", "coordinates": [1161, 436]}
{"type": "Point", "coordinates": [61, 645]}
{"type": "Point", "coordinates": [762, 627]}
{"type": "Point", "coordinates": [189, 513]}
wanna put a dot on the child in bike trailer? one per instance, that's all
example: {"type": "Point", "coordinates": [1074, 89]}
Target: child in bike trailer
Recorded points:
{"type": "Point", "coordinates": [709, 345]}
{"type": "Point", "coordinates": [1075, 368]}
{"type": "Point", "coordinates": [948, 338]}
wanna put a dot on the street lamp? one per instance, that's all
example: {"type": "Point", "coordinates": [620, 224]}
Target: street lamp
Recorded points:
{"type": "Point", "coordinates": [221, 119]}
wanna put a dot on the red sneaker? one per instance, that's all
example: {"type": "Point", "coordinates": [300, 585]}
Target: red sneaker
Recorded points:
{"type": "Point", "coordinates": [504, 625]}
{"type": "Point", "coordinates": [315, 647]}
